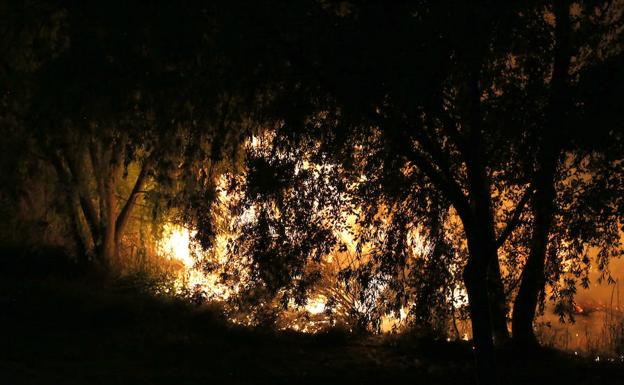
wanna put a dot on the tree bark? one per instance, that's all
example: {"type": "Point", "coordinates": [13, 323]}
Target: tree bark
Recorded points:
{"type": "Point", "coordinates": [533, 278]}
{"type": "Point", "coordinates": [125, 212]}
{"type": "Point", "coordinates": [479, 230]}
{"type": "Point", "coordinates": [108, 251]}
{"type": "Point", "coordinates": [480, 234]}
{"type": "Point", "coordinates": [497, 289]}
{"type": "Point", "coordinates": [91, 214]}
{"type": "Point", "coordinates": [476, 282]}
{"type": "Point", "coordinates": [75, 209]}
{"type": "Point", "coordinates": [498, 301]}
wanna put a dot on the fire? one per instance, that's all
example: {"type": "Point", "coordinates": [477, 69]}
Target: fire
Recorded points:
{"type": "Point", "coordinates": [316, 306]}
{"type": "Point", "coordinates": [176, 244]}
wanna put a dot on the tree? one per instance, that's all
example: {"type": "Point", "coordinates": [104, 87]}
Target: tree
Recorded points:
{"type": "Point", "coordinates": [446, 117]}
{"type": "Point", "coordinates": [556, 123]}
{"type": "Point", "coordinates": [429, 116]}
{"type": "Point", "coordinates": [131, 99]}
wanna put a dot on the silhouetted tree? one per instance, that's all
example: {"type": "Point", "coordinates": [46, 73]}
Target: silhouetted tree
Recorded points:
{"type": "Point", "coordinates": [129, 95]}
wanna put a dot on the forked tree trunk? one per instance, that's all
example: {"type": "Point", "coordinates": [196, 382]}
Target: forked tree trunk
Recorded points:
{"type": "Point", "coordinates": [80, 235]}
{"type": "Point", "coordinates": [478, 222]}
{"type": "Point", "coordinates": [481, 239]}
{"type": "Point", "coordinates": [90, 169]}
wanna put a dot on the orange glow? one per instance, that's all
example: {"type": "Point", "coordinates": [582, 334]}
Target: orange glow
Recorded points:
{"type": "Point", "coordinates": [176, 244]}
{"type": "Point", "coordinates": [316, 305]}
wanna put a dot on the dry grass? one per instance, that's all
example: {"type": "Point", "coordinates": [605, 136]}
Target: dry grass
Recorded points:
{"type": "Point", "coordinates": [597, 332]}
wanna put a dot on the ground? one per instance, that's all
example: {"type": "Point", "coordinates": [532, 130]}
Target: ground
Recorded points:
{"type": "Point", "coordinates": [68, 330]}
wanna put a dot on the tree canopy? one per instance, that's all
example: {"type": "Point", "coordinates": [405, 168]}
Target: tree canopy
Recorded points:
{"type": "Point", "coordinates": [383, 157]}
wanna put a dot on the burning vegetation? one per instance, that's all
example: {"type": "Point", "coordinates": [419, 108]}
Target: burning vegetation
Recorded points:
{"type": "Point", "coordinates": [449, 171]}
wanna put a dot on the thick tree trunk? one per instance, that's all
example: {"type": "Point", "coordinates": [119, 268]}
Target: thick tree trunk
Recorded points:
{"type": "Point", "coordinates": [95, 215]}
{"type": "Point", "coordinates": [479, 229]}
{"type": "Point", "coordinates": [75, 160]}
{"type": "Point", "coordinates": [533, 279]}
{"type": "Point", "coordinates": [476, 281]}
{"type": "Point", "coordinates": [75, 209]}
{"type": "Point", "coordinates": [108, 251]}
{"type": "Point", "coordinates": [498, 301]}
{"type": "Point", "coordinates": [80, 237]}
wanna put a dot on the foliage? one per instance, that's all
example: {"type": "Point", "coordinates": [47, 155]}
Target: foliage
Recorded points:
{"type": "Point", "coordinates": [382, 158]}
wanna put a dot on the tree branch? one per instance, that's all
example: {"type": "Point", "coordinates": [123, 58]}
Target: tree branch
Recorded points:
{"type": "Point", "coordinates": [122, 219]}
{"type": "Point", "coordinates": [73, 202]}
{"type": "Point", "coordinates": [515, 217]}
{"type": "Point", "coordinates": [88, 207]}
{"type": "Point", "coordinates": [448, 186]}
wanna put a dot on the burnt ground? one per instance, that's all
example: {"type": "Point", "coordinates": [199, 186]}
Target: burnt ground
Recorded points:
{"type": "Point", "coordinates": [83, 330]}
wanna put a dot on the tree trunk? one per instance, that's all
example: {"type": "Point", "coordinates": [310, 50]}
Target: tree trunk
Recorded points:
{"type": "Point", "coordinates": [479, 229]}
{"type": "Point", "coordinates": [533, 279]}
{"type": "Point", "coordinates": [74, 162]}
{"type": "Point", "coordinates": [482, 253]}
{"type": "Point", "coordinates": [108, 252]}
{"type": "Point", "coordinates": [498, 301]}
{"type": "Point", "coordinates": [74, 207]}
{"type": "Point", "coordinates": [97, 230]}
{"type": "Point", "coordinates": [80, 238]}
{"type": "Point", "coordinates": [128, 207]}
{"type": "Point", "coordinates": [476, 281]}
